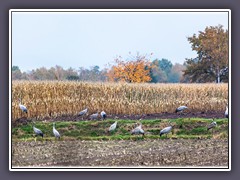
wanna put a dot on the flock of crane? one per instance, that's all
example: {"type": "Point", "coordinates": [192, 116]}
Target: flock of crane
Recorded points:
{"type": "Point", "coordinates": [137, 130]}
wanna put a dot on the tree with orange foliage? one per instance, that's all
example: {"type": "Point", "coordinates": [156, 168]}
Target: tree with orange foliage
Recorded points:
{"type": "Point", "coordinates": [136, 70]}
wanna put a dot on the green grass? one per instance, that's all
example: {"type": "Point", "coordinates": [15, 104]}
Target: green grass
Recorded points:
{"type": "Point", "coordinates": [98, 130]}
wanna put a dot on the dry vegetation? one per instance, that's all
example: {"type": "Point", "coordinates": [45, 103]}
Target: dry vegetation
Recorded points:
{"type": "Point", "coordinates": [56, 98]}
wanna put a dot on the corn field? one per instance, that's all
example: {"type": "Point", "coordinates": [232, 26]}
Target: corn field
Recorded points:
{"type": "Point", "coordinates": [59, 98]}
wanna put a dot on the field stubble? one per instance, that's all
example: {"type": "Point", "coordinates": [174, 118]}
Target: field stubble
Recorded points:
{"type": "Point", "coordinates": [160, 153]}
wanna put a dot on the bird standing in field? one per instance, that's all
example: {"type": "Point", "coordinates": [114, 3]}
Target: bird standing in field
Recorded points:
{"type": "Point", "coordinates": [103, 115]}
{"type": "Point", "coordinates": [212, 125]}
{"type": "Point", "coordinates": [113, 127]}
{"type": "Point", "coordinates": [83, 112]}
{"type": "Point", "coordinates": [138, 130]}
{"type": "Point", "coordinates": [181, 109]}
{"type": "Point", "coordinates": [166, 130]}
{"type": "Point", "coordinates": [94, 116]}
{"type": "Point", "coordinates": [37, 131]}
{"type": "Point", "coordinates": [226, 112]}
{"type": "Point", "coordinates": [55, 132]}
{"type": "Point", "coordinates": [22, 107]}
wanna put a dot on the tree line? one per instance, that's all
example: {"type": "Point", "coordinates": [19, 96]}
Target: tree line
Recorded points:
{"type": "Point", "coordinates": [210, 65]}
{"type": "Point", "coordinates": [162, 72]}
{"type": "Point", "coordinates": [59, 73]}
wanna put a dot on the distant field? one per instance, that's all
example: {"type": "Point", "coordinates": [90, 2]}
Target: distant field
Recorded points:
{"type": "Point", "coordinates": [55, 99]}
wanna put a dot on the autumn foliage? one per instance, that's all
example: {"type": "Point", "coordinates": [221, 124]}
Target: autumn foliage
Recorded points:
{"type": "Point", "coordinates": [136, 70]}
{"type": "Point", "coordinates": [211, 64]}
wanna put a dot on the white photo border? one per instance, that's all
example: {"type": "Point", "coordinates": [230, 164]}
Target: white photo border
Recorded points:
{"type": "Point", "coordinates": [132, 168]}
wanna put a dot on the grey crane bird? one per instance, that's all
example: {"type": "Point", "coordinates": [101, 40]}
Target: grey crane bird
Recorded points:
{"type": "Point", "coordinates": [103, 115]}
{"type": "Point", "coordinates": [212, 125]}
{"type": "Point", "coordinates": [55, 132]}
{"type": "Point", "coordinates": [226, 112]}
{"type": "Point", "coordinates": [22, 107]}
{"type": "Point", "coordinates": [166, 130]}
{"type": "Point", "coordinates": [138, 130]}
{"type": "Point", "coordinates": [83, 112]}
{"type": "Point", "coordinates": [94, 116]}
{"type": "Point", "coordinates": [181, 108]}
{"type": "Point", "coordinates": [37, 131]}
{"type": "Point", "coordinates": [113, 127]}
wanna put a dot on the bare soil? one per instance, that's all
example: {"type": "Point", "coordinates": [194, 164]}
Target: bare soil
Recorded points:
{"type": "Point", "coordinates": [140, 153]}
{"type": "Point", "coordinates": [164, 115]}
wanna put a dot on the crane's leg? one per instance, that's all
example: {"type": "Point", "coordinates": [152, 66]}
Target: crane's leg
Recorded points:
{"type": "Point", "coordinates": [180, 114]}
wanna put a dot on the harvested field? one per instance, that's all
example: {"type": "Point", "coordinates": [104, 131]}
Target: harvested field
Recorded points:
{"type": "Point", "coordinates": [87, 143]}
{"type": "Point", "coordinates": [140, 153]}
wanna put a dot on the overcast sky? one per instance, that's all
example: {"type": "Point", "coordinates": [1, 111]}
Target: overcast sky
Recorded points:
{"type": "Point", "coordinates": [84, 39]}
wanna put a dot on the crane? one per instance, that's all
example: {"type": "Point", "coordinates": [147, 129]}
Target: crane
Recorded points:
{"type": "Point", "coordinates": [37, 131]}
{"type": "Point", "coordinates": [113, 127]}
{"type": "Point", "coordinates": [212, 125]}
{"type": "Point", "coordinates": [166, 130]}
{"type": "Point", "coordinates": [83, 112]}
{"type": "Point", "coordinates": [55, 132]}
{"type": "Point", "coordinates": [103, 115]}
{"type": "Point", "coordinates": [138, 130]}
{"type": "Point", "coordinates": [181, 108]}
{"type": "Point", "coordinates": [94, 116]}
{"type": "Point", "coordinates": [226, 112]}
{"type": "Point", "coordinates": [22, 107]}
